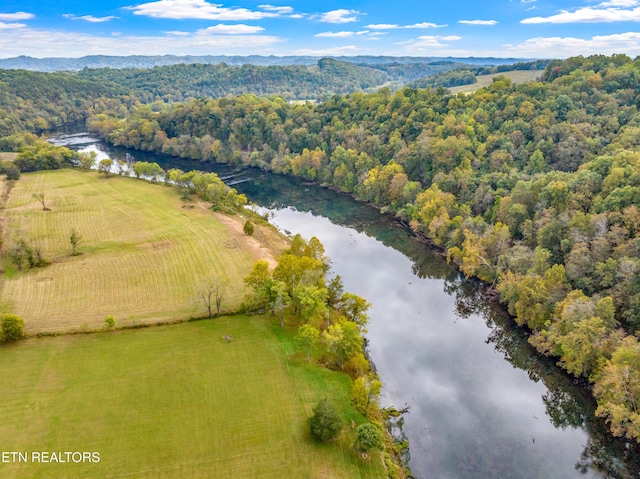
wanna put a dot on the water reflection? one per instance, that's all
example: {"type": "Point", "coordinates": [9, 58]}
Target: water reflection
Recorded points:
{"type": "Point", "coordinates": [483, 403]}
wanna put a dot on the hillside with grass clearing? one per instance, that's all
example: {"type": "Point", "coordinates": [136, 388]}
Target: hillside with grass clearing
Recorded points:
{"type": "Point", "coordinates": [144, 252]}
{"type": "Point", "coordinates": [516, 76]}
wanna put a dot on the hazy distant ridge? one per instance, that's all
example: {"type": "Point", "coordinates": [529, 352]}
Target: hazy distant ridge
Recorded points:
{"type": "Point", "coordinates": [139, 61]}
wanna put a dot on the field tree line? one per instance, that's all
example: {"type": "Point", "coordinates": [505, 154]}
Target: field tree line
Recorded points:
{"type": "Point", "coordinates": [330, 325]}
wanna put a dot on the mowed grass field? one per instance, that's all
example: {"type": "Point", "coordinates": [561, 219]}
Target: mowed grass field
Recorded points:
{"type": "Point", "coordinates": [144, 252]}
{"type": "Point", "coordinates": [173, 401]}
{"type": "Point", "coordinates": [517, 76]}
{"type": "Point", "coordinates": [7, 156]}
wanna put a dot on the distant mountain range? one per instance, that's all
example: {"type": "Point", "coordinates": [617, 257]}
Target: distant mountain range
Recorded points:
{"type": "Point", "coordinates": [138, 61]}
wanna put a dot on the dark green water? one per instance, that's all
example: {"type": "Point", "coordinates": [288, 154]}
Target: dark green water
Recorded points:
{"type": "Point", "coordinates": [483, 404]}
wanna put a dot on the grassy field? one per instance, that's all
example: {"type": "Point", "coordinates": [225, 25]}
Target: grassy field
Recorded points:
{"type": "Point", "coordinates": [517, 76]}
{"type": "Point", "coordinates": [173, 401]}
{"type": "Point", "coordinates": [144, 252]}
{"type": "Point", "coordinates": [7, 156]}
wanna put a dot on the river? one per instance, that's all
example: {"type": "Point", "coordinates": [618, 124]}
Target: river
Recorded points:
{"type": "Point", "coordinates": [483, 404]}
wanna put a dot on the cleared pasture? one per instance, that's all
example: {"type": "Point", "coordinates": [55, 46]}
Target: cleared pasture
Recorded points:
{"type": "Point", "coordinates": [173, 401]}
{"type": "Point", "coordinates": [517, 76]}
{"type": "Point", "coordinates": [144, 252]}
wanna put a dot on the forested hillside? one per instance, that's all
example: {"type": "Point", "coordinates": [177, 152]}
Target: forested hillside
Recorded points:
{"type": "Point", "coordinates": [328, 77]}
{"type": "Point", "coordinates": [533, 188]}
{"type": "Point", "coordinates": [38, 101]}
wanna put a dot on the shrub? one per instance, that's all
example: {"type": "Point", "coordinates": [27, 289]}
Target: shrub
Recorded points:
{"type": "Point", "coordinates": [12, 328]}
{"type": "Point", "coordinates": [12, 172]}
{"type": "Point", "coordinates": [325, 423]}
{"type": "Point", "coordinates": [248, 228]}
{"type": "Point", "coordinates": [109, 322]}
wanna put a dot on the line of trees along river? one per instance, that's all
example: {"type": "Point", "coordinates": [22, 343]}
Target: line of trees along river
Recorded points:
{"type": "Point", "coordinates": [483, 403]}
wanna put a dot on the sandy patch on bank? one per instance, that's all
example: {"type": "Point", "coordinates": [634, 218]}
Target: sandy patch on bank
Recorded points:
{"type": "Point", "coordinates": [266, 242]}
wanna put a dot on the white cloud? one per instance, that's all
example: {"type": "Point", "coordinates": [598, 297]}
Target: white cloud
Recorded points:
{"type": "Point", "coordinates": [427, 43]}
{"type": "Point", "coordinates": [393, 26]}
{"type": "Point", "coordinates": [425, 25]}
{"type": "Point", "coordinates": [51, 43]}
{"type": "Point", "coordinates": [562, 47]}
{"type": "Point", "coordinates": [239, 29]}
{"type": "Point", "coordinates": [340, 34]}
{"type": "Point", "coordinates": [197, 9]}
{"type": "Point", "coordinates": [274, 8]}
{"type": "Point", "coordinates": [340, 16]}
{"type": "Point", "coordinates": [177, 33]}
{"type": "Point", "coordinates": [10, 17]}
{"type": "Point", "coordinates": [336, 51]}
{"type": "Point", "coordinates": [383, 26]}
{"type": "Point", "coordinates": [619, 3]}
{"type": "Point", "coordinates": [589, 15]}
{"type": "Point", "coordinates": [297, 15]}
{"type": "Point", "coordinates": [89, 18]}
{"type": "Point", "coordinates": [478, 22]}
{"type": "Point", "coordinates": [11, 26]}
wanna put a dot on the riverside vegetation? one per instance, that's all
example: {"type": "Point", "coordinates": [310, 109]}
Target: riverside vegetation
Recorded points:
{"type": "Point", "coordinates": [136, 242]}
{"type": "Point", "coordinates": [533, 188]}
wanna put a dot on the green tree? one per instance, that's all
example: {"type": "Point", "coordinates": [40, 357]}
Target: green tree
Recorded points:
{"type": "Point", "coordinates": [12, 328]}
{"type": "Point", "coordinates": [260, 282]}
{"type": "Point", "coordinates": [325, 423]}
{"type": "Point", "coordinates": [74, 239]}
{"type": "Point", "coordinates": [104, 166]}
{"type": "Point", "coordinates": [618, 390]}
{"type": "Point", "coordinates": [309, 301]}
{"type": "Point", "coordinates": [87, 159]}
{"type": "Point", "coordinates": [306, 339]}
{"type": "Point", "coordinates": [343, 341]}
{"type": "Point", "coordinates": [278, 299]}
{"type": "Point", "coordinates": [365, 392]}
{"type": "Point", "coordinates": [355, 308]}
{"type": "Point", "coordinates": [12, 172]}
{"type": "Point", "coordinates": [368, 437]}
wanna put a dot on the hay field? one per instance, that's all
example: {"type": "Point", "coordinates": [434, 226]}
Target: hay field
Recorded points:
{"type": "Point", "coordinates": [173, 401]}
{"type": "Point", "coordinates": [517, 76]}
{"type": "Point", "coordinates": [7, 156]}
{"type": "Point", "coordinates": [144, 252]}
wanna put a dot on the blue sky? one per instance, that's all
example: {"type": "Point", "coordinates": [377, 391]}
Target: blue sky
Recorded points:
{"type": "Point", "coordinates": [502, 28]}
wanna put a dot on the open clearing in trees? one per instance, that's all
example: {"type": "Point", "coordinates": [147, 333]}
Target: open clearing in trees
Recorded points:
{"type": "Point", "coordinates": [175, 401]}
{"type": "Point", "coordinates": [516, 76]}
{"type": "Point", "coordinates": [144, 252]}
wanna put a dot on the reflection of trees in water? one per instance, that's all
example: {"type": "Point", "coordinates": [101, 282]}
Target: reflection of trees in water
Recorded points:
{"type": "Point", "coordinates": [563, 409]}
{"type": "Point", "coordinates": [598, 455]}
{"type": "Point", "coordinates": [568, 401]}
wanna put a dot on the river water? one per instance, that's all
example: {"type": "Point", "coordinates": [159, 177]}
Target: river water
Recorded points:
{"type": "Point", "coordinates": [482, 403]}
